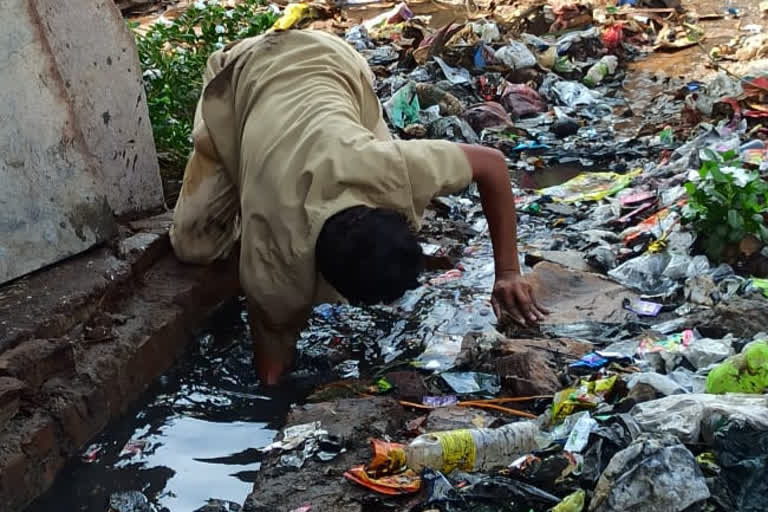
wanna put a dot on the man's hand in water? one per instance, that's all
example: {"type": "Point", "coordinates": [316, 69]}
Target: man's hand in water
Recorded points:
{"type": "Point", "coordinates": [513, 295]}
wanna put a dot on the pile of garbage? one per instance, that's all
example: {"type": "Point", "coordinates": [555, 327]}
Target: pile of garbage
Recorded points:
{"type": "Point", "coordinates": [644, 390]}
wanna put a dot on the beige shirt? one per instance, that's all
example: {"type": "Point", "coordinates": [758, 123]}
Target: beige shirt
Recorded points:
{"type": "Point", "coordinates": [294, 120]}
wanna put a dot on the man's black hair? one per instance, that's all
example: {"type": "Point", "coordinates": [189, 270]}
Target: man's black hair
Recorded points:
{"type": "Point", "coordinates": [370, 255]}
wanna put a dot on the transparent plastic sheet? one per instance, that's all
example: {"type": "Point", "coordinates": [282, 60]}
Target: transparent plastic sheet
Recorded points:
{"type": "Point", "coordinates": [683, 415]}
{"type": "Point", "coordinates": [657, 274]}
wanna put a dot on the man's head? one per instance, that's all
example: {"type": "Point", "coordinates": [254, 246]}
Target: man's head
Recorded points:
{"type": "Point", "coordinates": [370, 255]}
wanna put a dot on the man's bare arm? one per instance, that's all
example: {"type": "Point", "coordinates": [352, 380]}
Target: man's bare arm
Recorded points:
{"type": "Point", "coordinates": [511, 293]}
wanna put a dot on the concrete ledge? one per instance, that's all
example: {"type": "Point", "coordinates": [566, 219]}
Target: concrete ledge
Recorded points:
{"type": "Point", "coordinates": [80, 341]}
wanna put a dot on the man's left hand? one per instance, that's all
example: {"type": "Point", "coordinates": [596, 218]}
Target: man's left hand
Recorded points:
{"type": "Point", "coordinates": [513, 295]}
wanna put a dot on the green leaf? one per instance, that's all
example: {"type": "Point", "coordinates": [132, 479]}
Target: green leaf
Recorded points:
{"type": "Point", "coordinates": [763, 232]}
{"type": "Point", "coordinates": [735, 220]}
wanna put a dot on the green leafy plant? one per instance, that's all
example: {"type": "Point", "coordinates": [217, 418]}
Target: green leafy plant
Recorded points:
{"type": "Point", "coordinates": [173, 56]}
{"type": "Point", "coordinates": [726, 204]}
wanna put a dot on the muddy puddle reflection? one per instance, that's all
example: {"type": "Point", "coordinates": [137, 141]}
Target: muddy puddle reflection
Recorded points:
{"type": "Point", "coordinates": [195, 435]}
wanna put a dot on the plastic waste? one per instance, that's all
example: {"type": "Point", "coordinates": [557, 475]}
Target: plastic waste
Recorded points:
{"type": "Point", "coordinates": [464, 383]}
{"type": "Point", "coordinates": [760, 284]}
{"type": "Point", "coordinates": [565, 127]}
{"type": "Point", "coordinates": [650, 475]}
{"type": "Point", "coordinates": [358, 37]}
{"type": "Point", "coordinates": [407, 482]}
{"type": "Point", "coordinates": [612, 435]}
{"type": "Point", "coordinates": [642, 307]}
{"type": "Point", "coordinates": [588, 395]}
{"type": "Point", "coordinates": [661, 383]}
{"type": "Point", "coordinates": [589, 186]}
{"type": "Point", "coordinates": [573, 94]}
{"type": "Point", "coordinates": [488, 31]}
{"type": "Point", "coordinates": [292, 15]}
{"type": "Point", "coordinates": [703, 352]}
{"type": "Point", "coordinates": [452, 128]}
{"type": "Point", "coordinates": [400, 12]}
{"type": "Point", "coordinates": [741, 450]}
{"type": "Point", "coordinates": [683, 416]}
{"type": "Point", "coordinates": [579, 436]}
{"type": "Point", "coordinates": [657, 274]}
{"type": "Point", "coordinates": [403, 107]}
{"type": "Point", "coordinates": [487, 116]}
{"type": "Point", "coordinates": [520, 100]}
{"type": "Point", "coordinates": [473, 449]}
{"type": "Point", "coordinates": [613, 36]}
{"type": "Point", "coordinates": [563, 43]}
{"type": "Point", "coordinates": [456, 76]}
{"type": "Point", "coordinates": [604, 67]}
{"type": "Point", "coordinates": [439, 401]}
{"type": "Point", "coordinates": [515, 56]}
{"type": "Point", "coordinates": [129, 501]}
{"type": "Point", "coordinates": [746, 372]}
{"type": "Point", "coordinates": [571, 503]}
{"type": "Point", "coordinates": [387, 472]}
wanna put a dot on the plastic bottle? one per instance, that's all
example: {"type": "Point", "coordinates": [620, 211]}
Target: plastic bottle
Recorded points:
{"type": "Point", "coordinates": [481, 449]}
{"type": "Point", "coordinates": [602, 68]}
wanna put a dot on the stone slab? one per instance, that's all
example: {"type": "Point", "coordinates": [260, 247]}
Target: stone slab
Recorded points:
{"type": "Point", "coordinates": [51, 189]}
{"type": "Point", "coordinates": [102, 75]}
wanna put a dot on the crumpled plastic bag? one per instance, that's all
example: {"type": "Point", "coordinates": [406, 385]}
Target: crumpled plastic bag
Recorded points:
{"type": "Point", "coordinates": [588, 395]}
{"type": "Point", "coordinates": [571, 503]}
{"type": "Point", "coordinates": [358, 37]}
{"type": "Point", "coordinates": [683, 415]}
{"type": "Point", "coordinates": [592, 186]}
{"type": "Point", "coordinates": [611, 436]}
{"type": "Point", "coordinates": [452, 128]}
{"type": "Point", "coordinates": [520, 100]}
{"type": "Point", "coordinates": [573, 94]}
{"type": "Point", "coordinates": [456, 76]}
{"type": "Point", "coordinates": [515, 55]}
{"type": "Point", "coordinates": [650, 475]}
{"type": "Point", "coordinates": [487, 116]}
{"type": "Point", "coordinates": [657, 381]}
{"type": "Point", "coordinates": [746, 372]}
{"type": "Point", "coordinates": [703, 352]}
{"type": "Point", "coordinates": [387, 472]}
{"type": "Point", "coordinates": [742, 453]}
{"type": "Point", "coordinates": [658, 273]}
{"type": "Point", "coordinates": [403, 107]}
{"type": "Point", "coordinates": [292, 15]}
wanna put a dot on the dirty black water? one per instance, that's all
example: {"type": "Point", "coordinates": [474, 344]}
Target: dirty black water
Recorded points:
{"type": "Point", "coordinates": [195, 435]}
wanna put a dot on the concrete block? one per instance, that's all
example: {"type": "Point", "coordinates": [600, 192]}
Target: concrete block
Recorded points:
{"type": "Point", "coordinates": [75, 142]}
{"type": "Point", "coordinates": [53, 201]}
{"type": "Point", "coordinates": [102, 75]}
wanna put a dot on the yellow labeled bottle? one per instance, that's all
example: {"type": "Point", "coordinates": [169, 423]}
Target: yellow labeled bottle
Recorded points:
{"type": "Point", "coordinates": [481, 449]}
